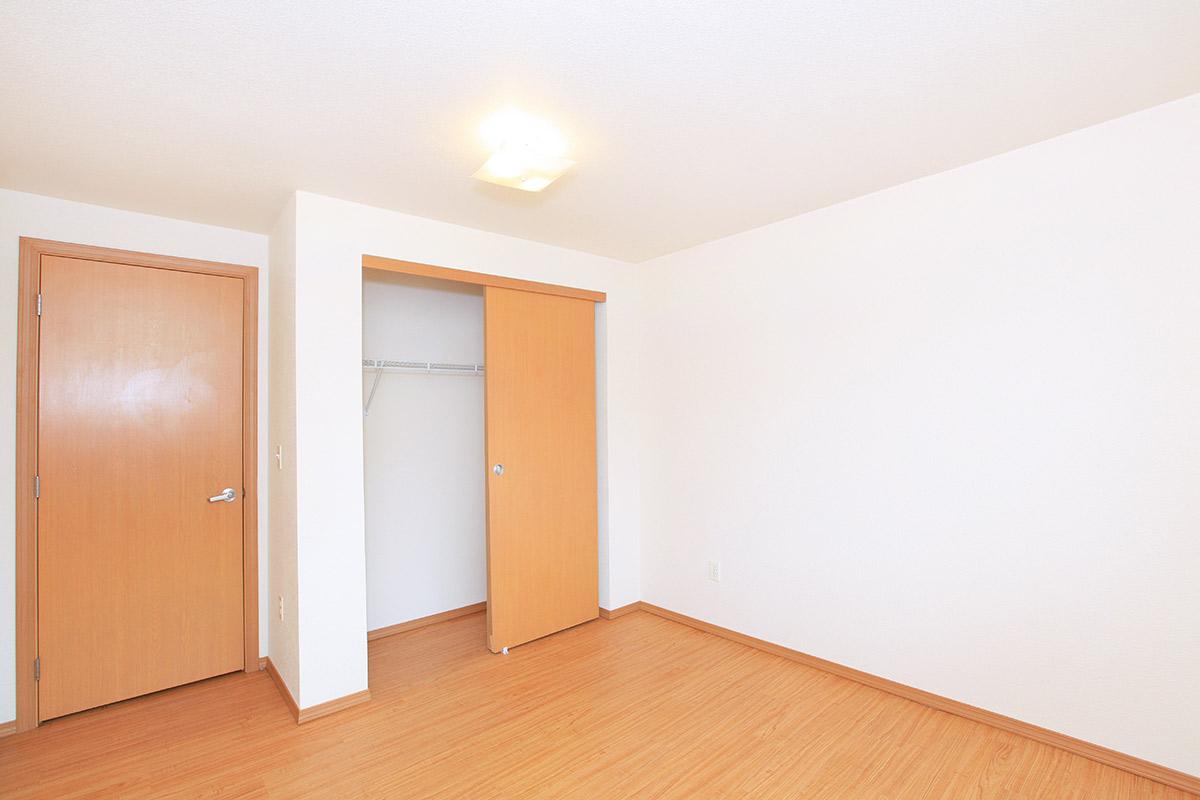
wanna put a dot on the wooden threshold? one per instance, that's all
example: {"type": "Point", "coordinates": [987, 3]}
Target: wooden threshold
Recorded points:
{"type": "Point", "coordinates": [421, 622]}
{"type": "Point", "coordinates": [478, 278]}
{"type": "Point", "coordinates": [1132, 764]}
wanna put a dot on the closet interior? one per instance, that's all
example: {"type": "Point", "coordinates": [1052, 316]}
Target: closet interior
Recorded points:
{"type": "Point", "coordinates": [423, 447]}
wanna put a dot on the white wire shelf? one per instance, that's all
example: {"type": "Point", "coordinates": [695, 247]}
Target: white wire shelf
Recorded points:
{"type": "Point", "coordinates": [388, 365]}
{"type": "Point", "coordinates": [382, 365]}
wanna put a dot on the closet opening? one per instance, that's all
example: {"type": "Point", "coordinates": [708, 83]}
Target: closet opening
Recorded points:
{"type": "Point", "coordinates": [423, 450]}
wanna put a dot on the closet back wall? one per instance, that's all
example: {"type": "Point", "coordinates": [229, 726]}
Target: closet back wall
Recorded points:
{"type": "Point", "coordinates": [423, 450]}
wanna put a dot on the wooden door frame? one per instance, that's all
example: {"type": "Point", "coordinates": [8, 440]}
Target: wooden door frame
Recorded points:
{"type": "Point", "coordinates": [31, 252]}
{"type": "Point", "coordinates": [478, 278]}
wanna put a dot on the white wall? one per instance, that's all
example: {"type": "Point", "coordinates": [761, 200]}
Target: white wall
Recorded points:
{"type": "Point", "coordinates": [423, 450]}
{"type": "Point", "coordinates": [282, 597]}
{"type": "Point", "coordinates": [949, 433]}
{"type": "Point", "coordinates": [47, 218]}
{"type": "Point", "coordinates": [332, 235]}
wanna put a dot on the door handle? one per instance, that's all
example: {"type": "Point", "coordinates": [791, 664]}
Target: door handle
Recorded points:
{"type": "Point", "coordinates": [226, 496]}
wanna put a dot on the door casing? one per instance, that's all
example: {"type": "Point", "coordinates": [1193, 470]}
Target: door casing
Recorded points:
{"type": "Point", "coordinates": [31, 252]}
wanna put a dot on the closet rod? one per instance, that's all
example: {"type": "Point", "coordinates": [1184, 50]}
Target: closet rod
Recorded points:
{"type": "Point", "coordinates": [382, 365]}
{"type": "Point", "coordinates": [421, 366]}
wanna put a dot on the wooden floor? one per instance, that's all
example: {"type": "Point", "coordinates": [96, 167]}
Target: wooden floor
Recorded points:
{"type": "Point", "coordinates": [634, 707]}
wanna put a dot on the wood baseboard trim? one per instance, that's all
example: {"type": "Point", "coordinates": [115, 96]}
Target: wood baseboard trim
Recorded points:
{"type": "Point", "coordinates": [620, 611]}
{"type": "Point", "coordinates": [8, 728]}
{"type": "Point", "coordinates": [421, 622]}
{"type": "Point", "coordinates": [302, 715]}
{"type": "Point", "coordinates": [1137, 766]}
{"type": "Point", "coordinates": [269, 666]}
{"type": "Point", "coordinates": [333, 706]}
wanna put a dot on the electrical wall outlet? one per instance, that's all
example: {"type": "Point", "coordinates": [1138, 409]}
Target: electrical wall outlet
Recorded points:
{"type": "Point", "coordinates": [714, 571]}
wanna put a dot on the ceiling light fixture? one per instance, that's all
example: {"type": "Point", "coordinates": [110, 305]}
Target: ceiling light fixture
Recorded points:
{"type": "Point", "coordinates": [528, 153]}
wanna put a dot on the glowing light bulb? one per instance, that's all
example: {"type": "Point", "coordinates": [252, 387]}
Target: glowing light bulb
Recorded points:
{"type": "Point", "coordinates": [528, 152]}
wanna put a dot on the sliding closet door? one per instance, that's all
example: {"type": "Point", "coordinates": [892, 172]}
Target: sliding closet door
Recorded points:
{"type": "Point", "coordinates": [541, 448]}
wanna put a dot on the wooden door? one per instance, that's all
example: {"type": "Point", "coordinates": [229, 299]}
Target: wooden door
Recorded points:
{"type": "Point", "coordinates": [139, 576]}
{"type": "Point", "coordinates": [541, 427]}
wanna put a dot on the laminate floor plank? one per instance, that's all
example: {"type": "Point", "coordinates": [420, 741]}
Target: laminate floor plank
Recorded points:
{"type": "Point", "coordinates": [635, 707]}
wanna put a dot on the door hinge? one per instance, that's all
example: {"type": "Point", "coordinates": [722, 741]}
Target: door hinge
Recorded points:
{"type": "Point", "coordinates": [37, 668]}
{"type": "Point", "coordinates": [37, 486]}
{"type": "Point", "coordinates": [39, 304]}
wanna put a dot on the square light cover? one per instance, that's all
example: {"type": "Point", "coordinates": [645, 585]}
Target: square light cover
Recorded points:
{"type": "Point", "coordinates": [521, 168]}
{"type": "Point", "coordinates": [528, 153]}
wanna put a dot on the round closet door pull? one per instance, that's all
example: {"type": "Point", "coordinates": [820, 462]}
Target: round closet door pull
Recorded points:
{"type": "Point", "coordinates": [498, 469]}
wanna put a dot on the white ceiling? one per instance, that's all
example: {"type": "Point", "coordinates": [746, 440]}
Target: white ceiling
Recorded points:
{"type": "Point", "coordinates": [690, 119]}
